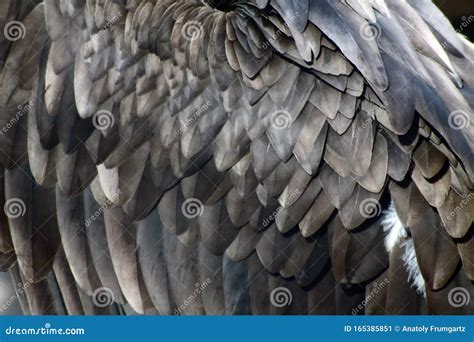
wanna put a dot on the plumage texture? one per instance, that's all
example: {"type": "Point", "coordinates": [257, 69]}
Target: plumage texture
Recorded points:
{"type": "Point", "coordinates": [197, 157]}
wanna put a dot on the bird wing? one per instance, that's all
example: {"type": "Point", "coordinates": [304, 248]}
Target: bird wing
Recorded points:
{"type": "Point", "coordinates": [183, 159]}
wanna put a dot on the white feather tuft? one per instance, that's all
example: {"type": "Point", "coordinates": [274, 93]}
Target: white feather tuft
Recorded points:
{"type": "Point", "coordinates": [413, 269]}
{"type": "Point", "coordinates": [393, 227]}
{"type": "Point", "coordinates": [396, 234]}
